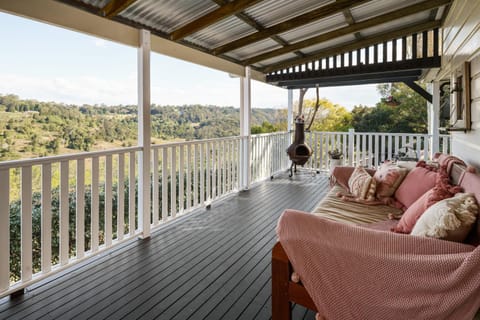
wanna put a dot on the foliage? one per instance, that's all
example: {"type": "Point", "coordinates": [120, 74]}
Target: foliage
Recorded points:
{"type": "Point", "coordinates": [410, 116]}
{"type": "Point", "coordinates": [29, 128]}
{"type": "Point", "coordinates": [329, 117]}
{"type": "Point", "coordinates": [335, 154]}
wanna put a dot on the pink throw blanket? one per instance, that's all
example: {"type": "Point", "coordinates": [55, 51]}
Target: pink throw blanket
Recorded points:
{"type": "Point", "coordinates": [352, 272]}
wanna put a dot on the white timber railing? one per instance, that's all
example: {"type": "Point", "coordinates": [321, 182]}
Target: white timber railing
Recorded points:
{"type": "Point", "coordinates": [370, 149]}
{"type": "Point", "coordinates": [61, 210]}
{"type": "Point", "coordinates": [268, 154]}
{"type": "Point", "coordinates": [189, 175]}
{"type": "Point", "coordinates": [57, 211]}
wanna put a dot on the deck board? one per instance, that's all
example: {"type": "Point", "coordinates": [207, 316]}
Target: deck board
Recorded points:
{"type": "Point", "coordinates": [211, 264]}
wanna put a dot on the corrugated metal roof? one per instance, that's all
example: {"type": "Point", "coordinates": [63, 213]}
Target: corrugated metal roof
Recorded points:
{"type": "Point", "coordinates": [277, 59]}
{"type": "Point", "coordinates": [254, 49]}
{"type": "Point", "coordinates": [221, 32]}
{"type": "Point", "coordinates": [377, 7]}
{"type": "Point", "coordinates": [328, 44]}
{"type": "Point", "coordinates": [271, 12]}
{"type": "Point", "coordinates": [421, 16]}
{"type": "Point", "coordinates": [167, 15]}
{"type": "Point", "coordinates": [315, 28]}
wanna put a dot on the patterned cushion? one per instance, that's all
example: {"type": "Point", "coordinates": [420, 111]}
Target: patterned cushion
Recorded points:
{"type": "Point", "coordinates": [388, 177]}
{"type": "Point", "coordinates": [362, 185]}
{"type": "Point", "coordinates": [449, 219]}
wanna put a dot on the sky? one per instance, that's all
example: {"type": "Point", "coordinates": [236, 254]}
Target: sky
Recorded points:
{"type": "Point", "coordinates": [48, 63]}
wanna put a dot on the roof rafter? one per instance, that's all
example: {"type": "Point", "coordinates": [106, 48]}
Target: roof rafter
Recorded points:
{"type": "Point", "coordinates": [254, 24]}
{"type": "Point", "coordinates": [210, 18]}
{"type": "Point", "coordinates": [353, 45]}
{"type": "Point", "coordinates": [422, 6]}
{"type": "Point", "coordinates": [350, 20]}
{"type": "Point", "coordinates": [290, 24]}
{"type": "Point", "coordinates": [114, 7]}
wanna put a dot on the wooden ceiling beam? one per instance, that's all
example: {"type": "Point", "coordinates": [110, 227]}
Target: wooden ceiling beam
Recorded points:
{"type": "Point", "coordinates": [114, 7]}
{"type": "Point", "coordinates": [210, 18]}
{"type": "Point", "coordinates": [367, 41]}
{"type": "Point", "coordinates": [254, 24]}
{"type": "Point", "coordinates": [351, 21]}
{"type": "Point", "coordinates": [293, 23]}
{"type": "Point", "coordinates": [422, 6]}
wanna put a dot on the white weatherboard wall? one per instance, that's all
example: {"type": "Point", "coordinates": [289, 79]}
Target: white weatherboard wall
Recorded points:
{"type": "Point", "coordinates": [461, 42]}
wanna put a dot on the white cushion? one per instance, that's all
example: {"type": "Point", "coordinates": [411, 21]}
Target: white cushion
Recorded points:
{"type": "Point", "coordinates": [449, 219]}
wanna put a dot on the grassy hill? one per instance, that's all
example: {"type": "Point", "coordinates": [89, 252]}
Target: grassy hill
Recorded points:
{"type": "Point", "coordinates": [30, 128]}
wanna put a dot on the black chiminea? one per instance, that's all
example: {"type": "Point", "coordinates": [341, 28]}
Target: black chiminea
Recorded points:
{"type": "Point", "coordinates": [299, 152]}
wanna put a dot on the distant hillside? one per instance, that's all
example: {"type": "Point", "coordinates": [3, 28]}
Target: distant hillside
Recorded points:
{"type": "Point", "coordinates": [29, 128]}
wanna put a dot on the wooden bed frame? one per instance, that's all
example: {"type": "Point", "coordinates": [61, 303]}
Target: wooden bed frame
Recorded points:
{"type": "Point", "coordinates": [285, 291]}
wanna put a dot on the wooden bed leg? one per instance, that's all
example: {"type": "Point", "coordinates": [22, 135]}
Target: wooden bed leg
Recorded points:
{"type": "Point", "coordinates": [281, 306]}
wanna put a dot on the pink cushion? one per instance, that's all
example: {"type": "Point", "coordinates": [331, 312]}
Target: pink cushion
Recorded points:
{"type": "Point", "coordinates": [413, 213]}
{"type": "Point", "coordinates": [416, 183]}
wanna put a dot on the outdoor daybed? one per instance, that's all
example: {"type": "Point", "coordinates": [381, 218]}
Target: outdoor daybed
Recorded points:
{"type": "Point", "coordinates": [345, 261]}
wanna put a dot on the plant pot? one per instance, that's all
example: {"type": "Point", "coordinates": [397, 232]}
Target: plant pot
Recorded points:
{"type": "Point", "coordinates": [334, 163]}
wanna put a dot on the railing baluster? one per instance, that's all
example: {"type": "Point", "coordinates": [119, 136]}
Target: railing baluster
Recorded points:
{"type": "Point", "coordinates": [195, 175]}
{"type": "Point", "coordinates": [214, 170]}
{"type": "Point", "coordinates": [108, 200]}
{"type": "Point", "coordinates": [64, 213]}
{"type": "Point", "coordinates": [131, 194]}
{"type": "Point", "coordinates": [390, 146]}
{"type": "Point", "coordinates": [121, 197]}
{"type": "Point", "coordinates": [383, 148]}
{"type": "Point", "coordinates": [95, 205]}
{"type": "Point", "coordinates": [164, 184]}
{"type": "Point", "coordinates": [26, 223]}
{"type": "Point", "coordinates": [207, 172]}
{"type": "Point", "coordinates": [227, 165]}
{"type": "Point", "coordinates": [189, 177]}
{"type": "Point", "coordinates": [181, 181]}
{"type": "Point", "coordinates": [156, 189]}
{"type": "Point", "coordinates": [224, 158]}
{"type": "Point", "coordinates": [202, 172]}
{"type": "Point", "coordinates": [5, 229]}
{"type": "Point", "coordinates": [370, 150]}
{"type": "Point", "coordinates": [173, 183]}
{"type": "Point", "coordinates": [80, 208]}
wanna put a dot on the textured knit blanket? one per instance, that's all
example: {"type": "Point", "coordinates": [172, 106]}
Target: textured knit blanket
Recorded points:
{"type": "Point", "coordinates": [352, 272]}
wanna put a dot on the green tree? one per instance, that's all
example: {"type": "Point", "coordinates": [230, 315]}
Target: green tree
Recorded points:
{"type": "Point", "coordinates": [408, 114]}
{"type": "Point", "coordinates": [329, 117]}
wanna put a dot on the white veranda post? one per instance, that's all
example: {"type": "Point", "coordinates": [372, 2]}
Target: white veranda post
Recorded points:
{"type": "Point", "coordinates": [434, 116]}
{"type": "Point", "coordinates": [245, 115]}
{"type": "Point", "coordinates": [290, 110]}
{"type": "Point", "coordinates": [144, 133]}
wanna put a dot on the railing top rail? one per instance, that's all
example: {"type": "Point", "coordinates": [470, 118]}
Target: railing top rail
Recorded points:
{"type": "Point", "coordinates": [278, 133]}
{"type": "Point", "coordinates": [329, 132]}
{"type": "Point", "coordinates": [180, 143]}
{"type": "Point", "coordinates": [74, 156]}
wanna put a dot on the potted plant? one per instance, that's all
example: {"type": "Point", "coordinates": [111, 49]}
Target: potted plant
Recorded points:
{"type": "Point", "coordinates": [336, 158]}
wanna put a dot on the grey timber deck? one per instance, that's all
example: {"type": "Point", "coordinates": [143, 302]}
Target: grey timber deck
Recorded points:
{"type": "Point", "coordinates": [210, 264]}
